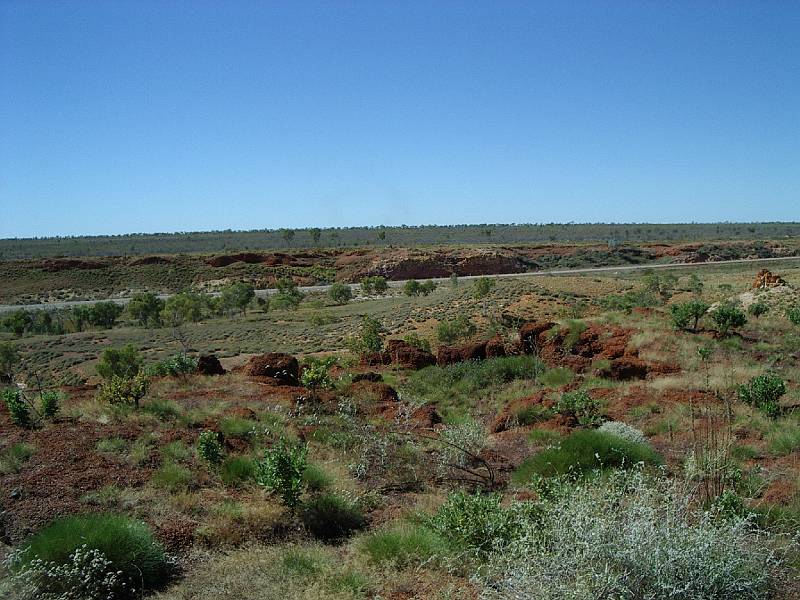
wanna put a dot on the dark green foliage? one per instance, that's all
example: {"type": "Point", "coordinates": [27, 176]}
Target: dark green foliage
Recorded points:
{"type": "Point", "coordinates": [105, 314]}
{"type": "Point", "coordinates": [478, 523]}
{"type": "Point", "coordinates": [209, 447]}
{"type": "Point", "coordinates": [764, 392]}
{"type": "Point", "coordinates": [686, 313]}
{"type": "Point", "coordinates": [237, 296]}
{"type": "Point", "coordinates": [287, 296]}
{"type": "Point", "coordinates": [728, 317]}
{"type": "Point", "coordinates": [583, 452]}
{"type": "Point", "coordinates": [331, 518]}
{"type": "Point", "coordinates": [316, 478]}
{"type": "Point", "coordinates": [184, 307]}
{"type": "Point", "coordinates": [411, 288]}
{"type": "Point", "coordinates": [374, 284]}
{"type": "Point", "coordinates": [448, 332]}
{"type": "Point", "coordinates": [483, 286]}
{"type": "Point", "coordinates": [580, 405]}
{"type": "Point", "coordinates": [146, 308]}
{"type": "Point", "coordinates": [793, 314]}
{"type": "Point", "coordinates": [340, 293]}
{"type": "Point", "coordinates": [757, 309]}
{"type": "Point", "coordinates": [282, 470]}
{"type": "Point", "coordinates": [9, 358]}
{"type": "Point", "coordinates": [128, 544]}
{"type": "Point", "coordinates": [18, 408]}
{"type": "Point", "coordinates": [315, 375]}
{"type": "Point", "coordinates": [122, 362]}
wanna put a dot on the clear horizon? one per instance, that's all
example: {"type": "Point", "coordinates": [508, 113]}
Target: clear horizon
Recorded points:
{"type": "Point", "coordinates": [131, 117]}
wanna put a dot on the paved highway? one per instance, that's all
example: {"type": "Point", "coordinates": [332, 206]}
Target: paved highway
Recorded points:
{"type": "Point", "coordinates": [397, 284]}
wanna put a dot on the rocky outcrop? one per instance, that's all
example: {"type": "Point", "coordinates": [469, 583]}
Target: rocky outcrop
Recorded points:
{"type": "Point", "coordinates": [447, 355]}
{"type": "Point", "coordinates": [276, 365]}
{"type": "Point", "coordinates": [766, 279]}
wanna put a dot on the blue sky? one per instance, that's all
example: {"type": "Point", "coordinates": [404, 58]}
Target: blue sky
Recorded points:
{"type": "Point", "coordinates": [168, 116]}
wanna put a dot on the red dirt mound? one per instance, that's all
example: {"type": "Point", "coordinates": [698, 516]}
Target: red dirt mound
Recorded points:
{"type": "Point", "coordinates": [380, 391]}
{"type": "Point", "coordinates": [275, 365]}
{"type": "Point", "coordinates": [400, 352]}
{"type": "Point", "coordinates": [54, 265]}
{"type": "Point", "coordinates": [150, 260]}
{"type": "Point", "coordinates": [632, 367]}
{"type": "Point", "coordinates": [447, 355]}
{"type": "Point", "coordinates": [208, 364]}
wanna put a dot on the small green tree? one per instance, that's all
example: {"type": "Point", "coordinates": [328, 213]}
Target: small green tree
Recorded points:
{"type": "Point", "coordinates": [185, 307]}
{"type": "Point", "coordinates": [316, 234]}
{"type": "Point", "coordinates": [287, 296]}
{"type": "Point", "coordinates": [237, 296]}
{"type": "Point", "coordinates": [146, 308]}
{"type": "Point", "coordinates": [695, 284]}
{"type": "Point", "coordinates": [316, 377]}
{"type": "Point", "coordinates": [281, 471]}
{"type": "Point", "coordinates": [426, 287]}
{"type": "Point", "coordinates": [728, 317]}
{"type": "Point", "coordinates": [793, 314]}
{"type": "Point", "coordinates": [581, 406]}
{"type": "Point", "coordinates": [105, 314]}
{"type": "Point", "coordinates": [688, 312]}
{"type": "Point", "coordinates": [126, 391]}
{"type": "Point", "coordinates": [9, 358]}
{"type": "Point", "coordinates": [288, 236]}
{"type": "Point", "coordinates": [340, 293]}
{"type": "Point", "coordinates": [369, 339]}
{"type": "Point", "coordinates": [122, 362]}
{"type": "Point", "coordinates": [17, 322]}
{"type": "Point", "coordinates": [483, 286]}
{"type": "Point", "coordinates": [454, 280]}
{"type": "Point", "coordinates": [764, 392]}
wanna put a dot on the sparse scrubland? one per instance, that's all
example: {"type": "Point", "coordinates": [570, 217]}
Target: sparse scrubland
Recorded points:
{"type": "Point", "coordinates": [602, 436]}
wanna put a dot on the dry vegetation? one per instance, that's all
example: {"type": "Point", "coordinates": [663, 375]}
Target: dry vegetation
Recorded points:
{"type": "Point", "coordinates": [391, 453]}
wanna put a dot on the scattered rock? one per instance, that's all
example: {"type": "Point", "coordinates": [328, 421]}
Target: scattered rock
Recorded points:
{"type": "Point", "coordinates": [276, 365]}
{"type": "Point", "coordinates": [530, 335]}
{"type": "Point", "coordinates": [208, 364]}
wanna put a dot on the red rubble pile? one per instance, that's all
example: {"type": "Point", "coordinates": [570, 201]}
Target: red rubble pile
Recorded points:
{"type": "Point", "coordinates": [283, 368]}
{"type": "Point", "coordinates": [766, 279]}
{"type": "Point", "coordinates": [400, 353]}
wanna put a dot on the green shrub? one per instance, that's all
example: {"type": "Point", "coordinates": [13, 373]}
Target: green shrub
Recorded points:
{"type": "Point", "coordinates": [13, 457]}
{"type": "Point", "coordinates": [556, 377]}
{"type": "Point", "coordinates": [92, 557]}
{"type": "Point", "coordinates": [146, 308]}
{"type": "Point", "coordinates": [529, 415]}
{"type": "Point", "coordinates": [728, 317]}
{"type": "Point", "coordinates": [237, 296]}
{"type": "Point", "coordinates": [375, 284]}
{"type": "Point", "coordinates": [122, 362]}
{"type": "Point", "coordinates": [581, 406]}
{"type": "Point", "coordinates": [209, 447]}
{"type": "Point", "coordinates": [764, 392]}
{"type": "Point", "coordinates": [758, 308]}
{"type": "Point", "coordinates": [461, 327]}
{"type": "Point", "coordinates": [282, 470]}
{"type": "Point", "coordinates": [236, 470]}
{"type": "Point", "coordinates": [630, 536]}
{"type": "Point", "coordinates": [172, 477]}
{"type": "Point", "coordinates": [404, 546]}
{"type": "Point", "coordinates": [315, 376]}
{"type": "Point", "coordinates": [18, 407]}
{"type": "Point", "coordinates": [574, 330]}
{"type": "Point", "coordinates": [411, 288]}
{"type": "Point", "coordinates": [176, 451]}
{"type": "Point", "coordinates": [478, 523]}
{"type": "Point", "coordinates": [340, 293]}
{"type": "Point", "coordinates": [369, 339]}
{"type": "Point", "coordinates": [586, 451]}
{"type": "Point", "coordinates": [418, 342]}
{"type": "Point", "coordinates": [126, 391]}
{"type": "Point", "coordinates": [316, 478]}
{"type": "Point", "coordinates": [482, 286]}
{"type": "Point", "coordinates": [237, 427]}
{"type": "Point", "coordinates": [50, 403]}
{"type": "Point", "coordinates": [793, 314]}
{"type": "Point", "coordinates": [9, 357]}
{"type": "Point", "coordinates": [174, 366]}
{"type": "Point", "coordinates": [624, 431]}
{"type": "Point", "coordinates": [331, 518]}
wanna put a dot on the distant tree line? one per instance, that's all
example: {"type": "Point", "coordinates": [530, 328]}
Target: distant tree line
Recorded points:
{"type": "Point", "coordinates": [404, 235]}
